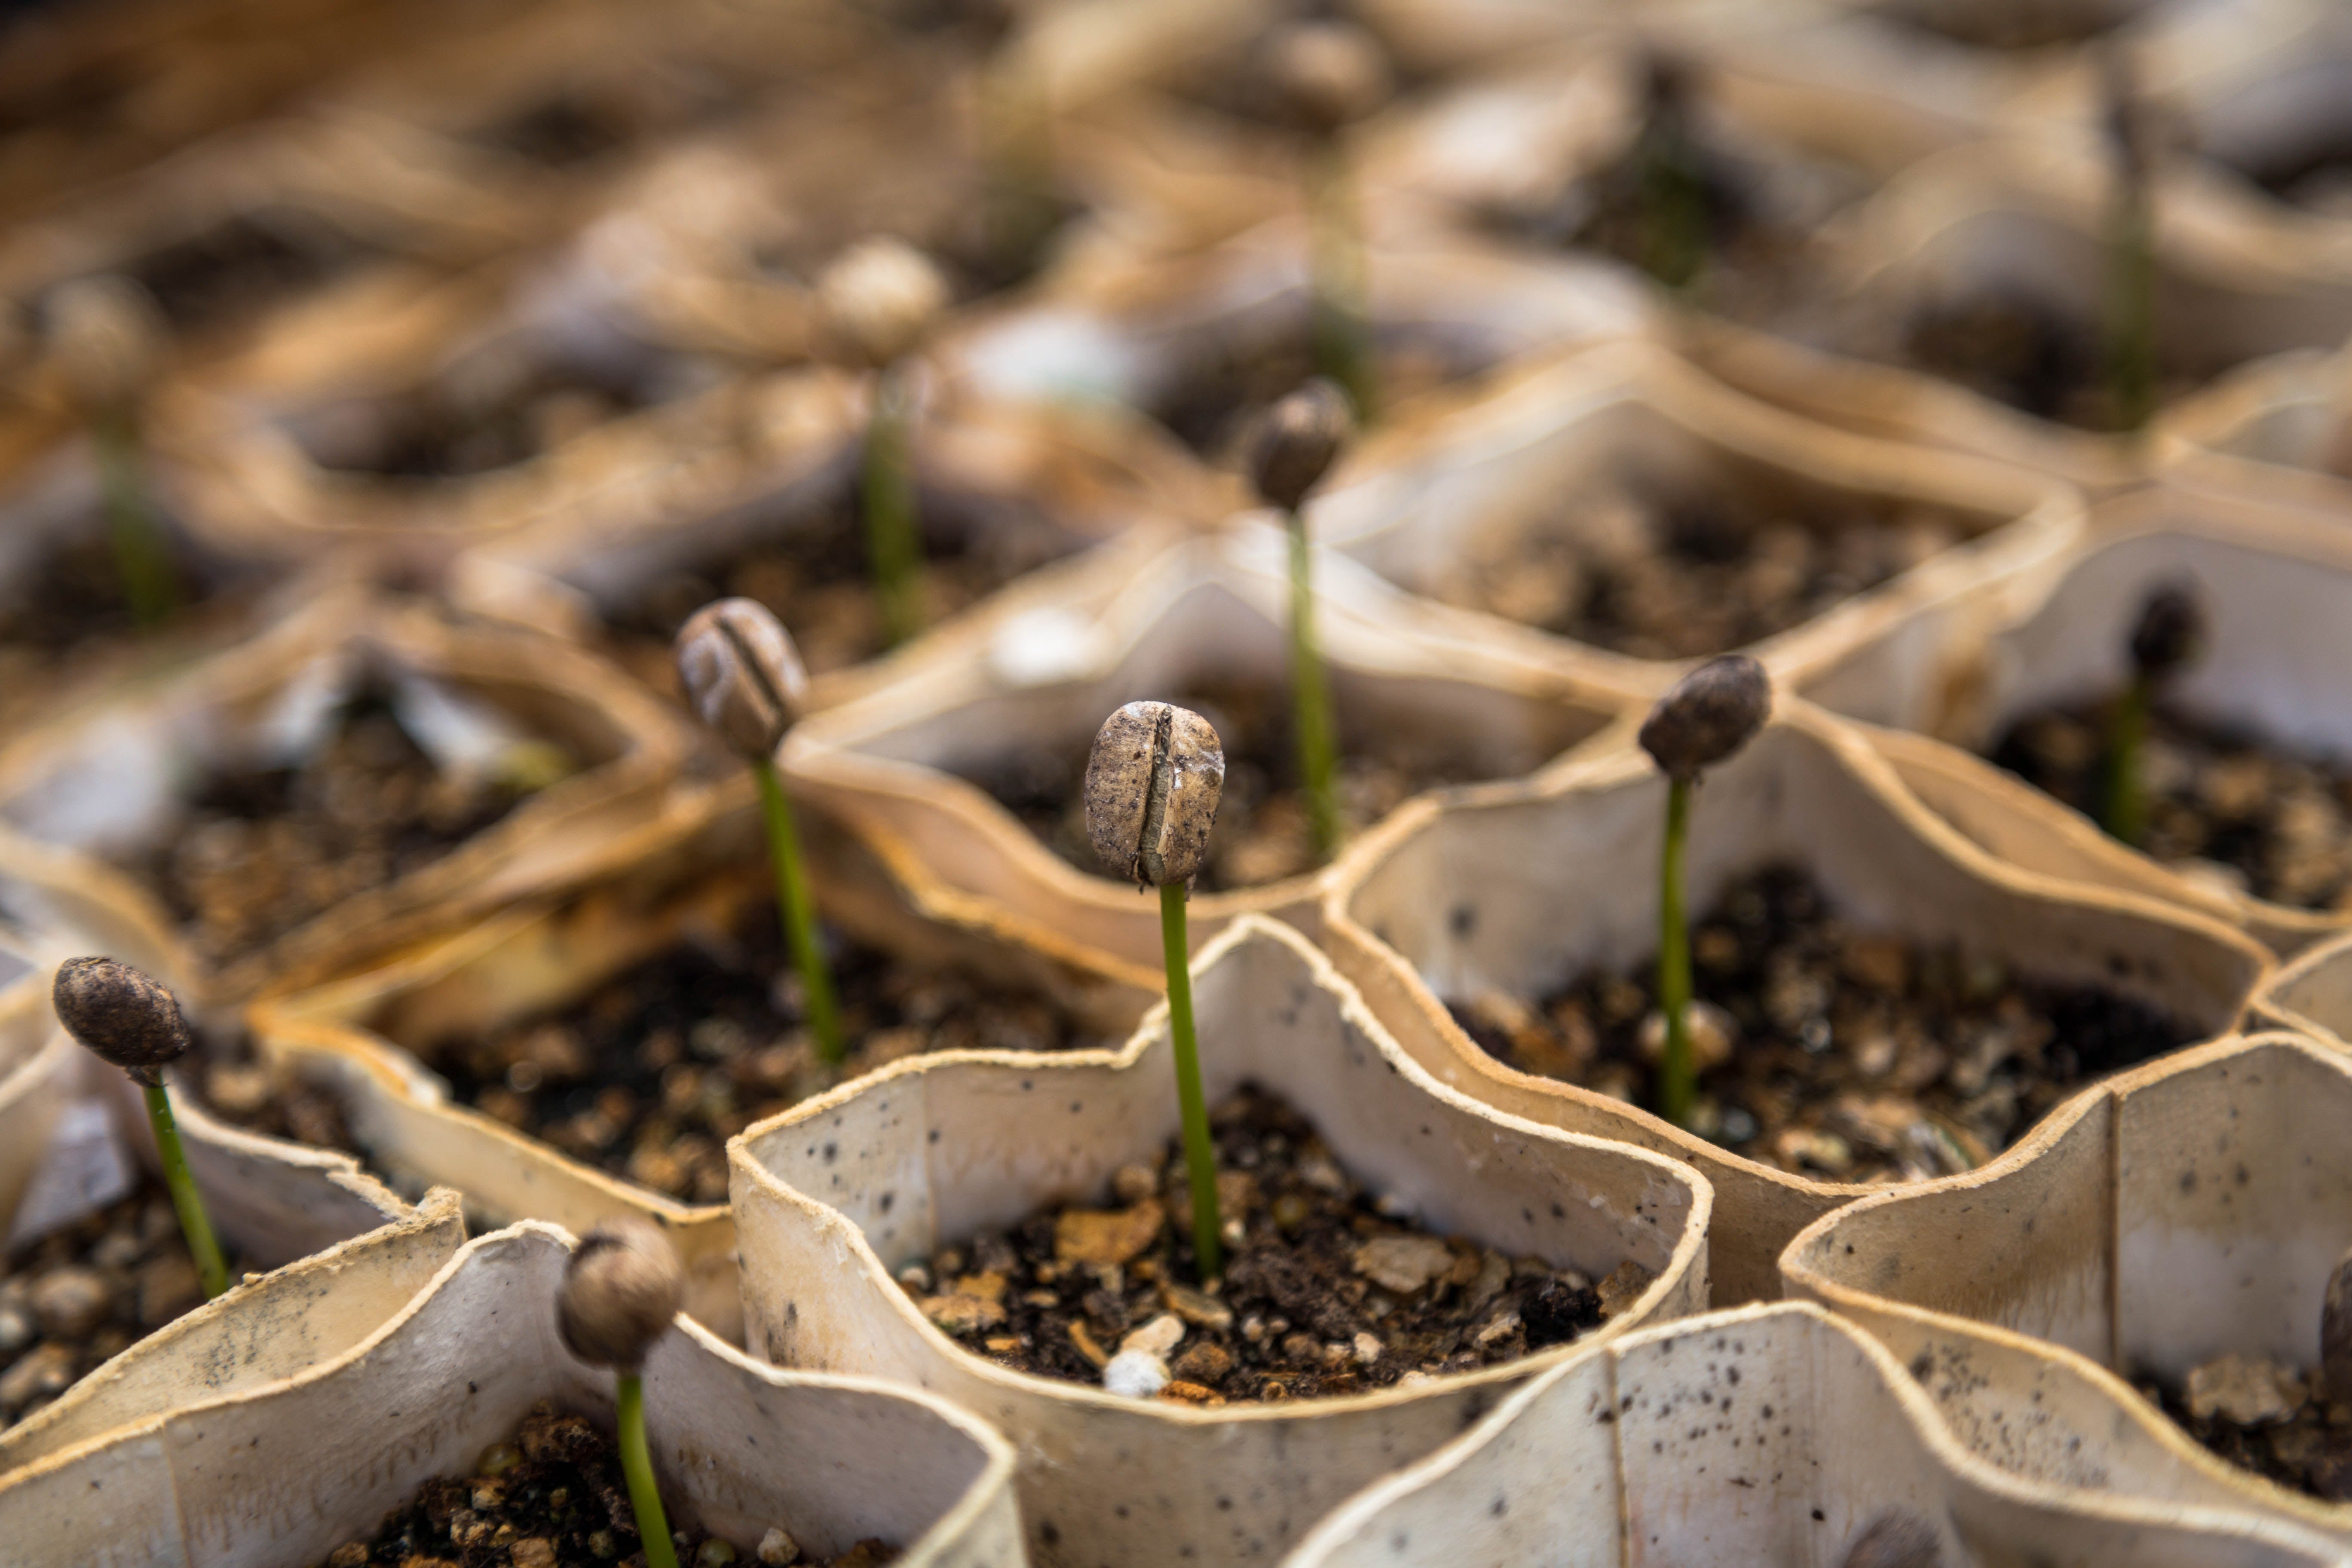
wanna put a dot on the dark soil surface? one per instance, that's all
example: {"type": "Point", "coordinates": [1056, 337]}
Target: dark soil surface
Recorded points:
{"type": "Point", "coordinates": [81, 1295]}
{"type": "Point", "coordinates": [1325, 1293]}
{"type": "Point", "coordinates": [2010, 23]}
{"type": "Point", "coordinates": [1695, 577]}
{"type": "Point", "coordinates": [1262, 832]}
{"type": "Point", "coordinates": [2257, 818]}
{"type": "Point", "coordinates": [73, 598]}
{"type": "Point", "coordinates": [816, 575]}
{"type": "Point", "coordinates": [2022, 354]}
{"type": "Point", "coordinates": [2309, 1451]}
{"type": "Point", "coordinates": [495, 415]}
{"type": "Point", "coordinates": [239, 268]}
{"type": "Point", "coordinates": [2317, 177]}
{"type": "Point", "coordinates": [653, 1072]}
{"type": "Point", "coordinates": [237, 1088]}
{"type": "Point", "coordinates": [1840, 1054]}
{"type": "Point", "coordinates": [262, 851]}
{"type": "Point", "coordinates": [554, 1496]}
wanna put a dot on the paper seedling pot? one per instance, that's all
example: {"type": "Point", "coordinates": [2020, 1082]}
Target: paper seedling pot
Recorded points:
{"type": "Point", "coordinates": [2270, 576]}
{"type": "Point", "coordinates": [832, 1196]}
{"type": "Point", "coordinates": [2311, 993]}
{"type": "Point", "coordinates": [2190, 1208]}
{"type": "Point", "coordinates": [887, 765]}
{"type": "Point", "coordinates": [104, 780]}
{"type": "Point", "coordinates": [282, 1474]}
{"type": "Point", "coordinates": [368, 1036]}
{"type": "Point", "coordinates": [1767, 1434]}
{"type": "Point", "coordinates": [1417, 504]}
{"type": "Point", "coordinates": [1495, 892]}
{"type": "Point", "coordinates": [2279, 428]}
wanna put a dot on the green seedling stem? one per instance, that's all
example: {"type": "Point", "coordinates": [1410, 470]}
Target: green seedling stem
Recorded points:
{"type": "Point", "coordinates": [1677, 1079]}
{"type": "Point", "coordinates": [798, 908]}
{"type": "Point", "coordinates": [2123, 807]}
{"type": "Point", "coordinates": [1673, 206]}
{"type": "Point", "coordinates": [637, 1464]}
{"type": "Point", "coordinates": [891, 537]}
{"type": "Point", "coordinates": [195, 1224]}
{"type": "Point", "coordinates": [150, 585]}
{"type": "Point", "coordinates": [1342, 333]}
{"type": "Point", "coordinates": [2131, 304]}
{"type": "Point", "coordinates": [1200, 1154]}
{"type": "Point", "coordinates": [1310, 688]}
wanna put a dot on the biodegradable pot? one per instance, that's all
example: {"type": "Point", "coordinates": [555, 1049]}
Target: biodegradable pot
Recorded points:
{"type": "Point", "coordinates": [368, 1037]}
{"type": "Point", "coordinates": [1809, 1431]}
{"type": "Point", "coordinates": [2187, 1209]}
{"type": "Point", "coordinates": [104, 780]}
{"type": "Point", "coordinates": [2270, 576]}
{"type": "Point", "coordinates": [832, 1196]}
{"type": "Point", "coordinates": [1630, 418]}
{"type": "Point", "coordinates": [887, 766]}
{"type": "Point", "coordinates": [2278, 428]}
{"type": "Point", "coordinates": [1492, 892]}
{"type": "Point", "coordinates": [283, 1473]}
{"type": "Point", "coordinates": [2311, 994]}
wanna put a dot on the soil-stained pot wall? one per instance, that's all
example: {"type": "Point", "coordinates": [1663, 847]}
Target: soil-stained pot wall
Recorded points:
{"type": "Point", "coordinates": [1811, 1433]}
{"type": "Point", "coordinates": [2190, 1209]}
{"type": "Point", "coordinates": [832, 1197]}
{"type": "Point", "coordinates": [1497, 891]}
{"type": "Point", "coordinates": [2270, 578]}
{"type": "Point", "coordinates": [283, 1474]}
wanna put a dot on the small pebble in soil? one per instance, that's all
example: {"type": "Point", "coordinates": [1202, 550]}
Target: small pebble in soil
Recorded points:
{"type": "Point", "coordinates": [552, 1498]}
{"type": "Point", "coordinates": [2265, 1416]}
{"type": "Point", "coordinates": [1691, 576]}
{"type": "Point", "coordinates": [1828, 1049]}
{"type": "Point", "coordinates": [1261, 831]}
{"type": "Point", "coordinates": [653, 1071]}
{"type": "Point", "coordinates": [1323, 1293]}
{"type": "Point", "coordinates": [91, 1291]}
{"type": "Point", "coordinates": [260, 851]}
{"type": "Point", "coordinates": [2223, 806]}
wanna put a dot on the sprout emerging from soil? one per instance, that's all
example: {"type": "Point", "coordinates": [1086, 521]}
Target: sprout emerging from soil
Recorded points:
{"type": "Point", "coordinates": [108, 334]}
{"type": "Point", "coordinates": [1295, 447]}
{"type": "Point", "coordinates": [880, 298]}
{"type": "Point", "coordinates": [1710, 714]}
{"type": "Point", "coordinates": [1673, 190]}
{"type": "Point", "coordinates": [620, 1290]}
{"type": "Point", "coordinates": [2167, 638]}
{"type": "Point", "coordinates": [742, 674]}
{"type": "Point", "coordinates": [1152, 786]}
{"type": "Point", "coordinates": [132, 1021]}
{"type": "Point", "coordinates": [2131, 318]}
{"type": "Point", "coordinates": [1896, 1538]}
{"type": "Point", "coordinates": [1330, 74]}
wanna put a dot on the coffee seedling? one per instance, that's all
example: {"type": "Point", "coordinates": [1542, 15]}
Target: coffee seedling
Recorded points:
{"type": "Point", "coordinates": [2168, 637]}
{"type": "Point", "coordinates": [1294, 445]}
{"type": "Point", "coordinates": [1673, 191]}
{"type": "Point", "coordinates": [128, 1020]}
{"type": "Point", "coordinates": [742, 674]}
{"type": "Point", "coordinates": [1707, 717]}
{"type": "Point", "coordinates": [880, 298]}
{"type": "Point", "coordinates": [620, 1290]}
{"type": "Point", "coordinates": [107, 334]}
{"type": "Point", "coordinates": [1330, 74]}
{"type": "Point", "coordinates": [2131, 318]}
{"type": "Point", "coordinates": [1153, 783]}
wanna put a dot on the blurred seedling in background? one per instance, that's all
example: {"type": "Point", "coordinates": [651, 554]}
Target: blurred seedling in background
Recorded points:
{"type": "Point", "coordinates": [1704, 721]}
{"type": "Point", "coordinates": [1330, 74]}
{"type": "Point", "coordinates": [1294, 445]}
{"type": "Point", "coordinates": [2132, 133]}
{"type": "Point", "coordinates": [880, 298]}
{"type": "Point", "coordinates": [107, 335]}
{"type": "Point", "coordinates": [2168, 636]}
{"type": "Point", "coordinates": [622, 1290]}
{"type": "Point", "coordinates": [742, 674]}
{"type": "Point", "coordinates": [1153, 783]}
{"type": "Point", "coordinates": [131, 1021]}
{"type": "Point", "coordinates": [1672, 184]}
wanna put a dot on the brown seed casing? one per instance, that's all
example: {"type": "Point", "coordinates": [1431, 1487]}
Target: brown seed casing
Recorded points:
{"type": "Point", "coordinates": [1153, 783]}
{"type": "Point", "coordinates": [1896, 1538]}
{"type": "Point", "coordinates": [121, 1016]}
{"type": "Point", "coordinates": [107, 334]}
{"type": "Point", "coordinates": [880, 297]}
{"type": "Point", "coordinates": [2169, 633]}
{"type": "Point", "coordinates": [1329, 73]}
{"type": "Point", "coordinates": [620, 1288]}
{"type": "Point", "coordinates": [742, 674]}
{"type": "Point", "coordinates": [2335, 1333]}
{"type": "Point", "coordinates": [1708, 715]}
{"type": "Point", "coordinates": [1297, 440]}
